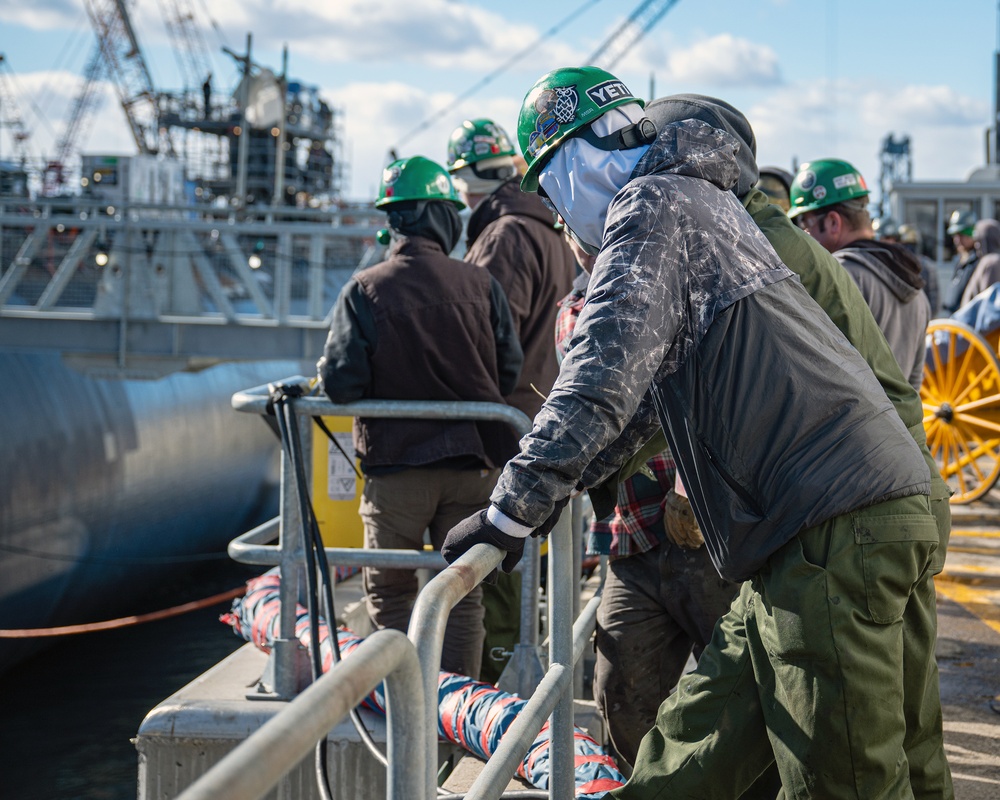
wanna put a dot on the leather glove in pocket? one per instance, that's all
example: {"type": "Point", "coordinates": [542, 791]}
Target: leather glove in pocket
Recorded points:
{"type": "Point", "coordinates": [680, 523]}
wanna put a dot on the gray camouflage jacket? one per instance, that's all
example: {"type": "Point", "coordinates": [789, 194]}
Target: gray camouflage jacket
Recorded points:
{"type": "Point", "coordinates": [692, 322]}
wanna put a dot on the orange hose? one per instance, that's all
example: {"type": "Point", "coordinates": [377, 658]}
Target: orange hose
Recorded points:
{"type": "Point", "coordinates": [122, 622]}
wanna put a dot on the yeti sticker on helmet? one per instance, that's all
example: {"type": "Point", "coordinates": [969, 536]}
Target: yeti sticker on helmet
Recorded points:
{"type": "Point", "coordinates": [608, 92]}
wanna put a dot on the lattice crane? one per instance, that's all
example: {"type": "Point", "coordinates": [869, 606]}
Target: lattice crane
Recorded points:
{"type": "Point", "coordinates": [55, 169]}
{"type": "Point", "coordinates": [637, 25]}
{"type": "Point", "coordinates": [190, 46]}
{"type": "Point", "coordinates": [117, 57]}
{"type": "Point", "coordinates": [10, 115]}
{"type": "Point", "coordinates": [127, 69]}
{"type": "Point", "coordinates": [897, 167]}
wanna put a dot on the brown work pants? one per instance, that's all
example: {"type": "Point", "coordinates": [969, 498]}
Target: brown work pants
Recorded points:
{"type": "Point", "coordinates": [396, 510]}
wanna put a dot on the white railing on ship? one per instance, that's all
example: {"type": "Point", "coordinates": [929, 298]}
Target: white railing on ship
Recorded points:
{"type": "Point", "coordinates": [140, 281]}
{"type": "Point", "coordinates": [568, 634]}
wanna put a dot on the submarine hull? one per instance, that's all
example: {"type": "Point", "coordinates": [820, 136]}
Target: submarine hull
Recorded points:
{"type": "Point", "coordinates": [110, 485]}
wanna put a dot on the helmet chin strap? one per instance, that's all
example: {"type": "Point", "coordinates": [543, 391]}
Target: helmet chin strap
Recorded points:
{"type": "Point", "coordinates": [635, 135]}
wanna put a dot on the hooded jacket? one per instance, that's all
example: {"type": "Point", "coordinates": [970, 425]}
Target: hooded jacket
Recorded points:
{"type": "Point", "coordinates": [888, 276]}
{"type": "Point", "coordinates": [514, 236]}
{"type": "Point", "coordinates": [693, 323]}
{"type": "Point", "coordinates": [823, 278]}
{"type": "Point", "coordinates": [987, 268]}
{"type": "Point", "coordinates": [422, 326]}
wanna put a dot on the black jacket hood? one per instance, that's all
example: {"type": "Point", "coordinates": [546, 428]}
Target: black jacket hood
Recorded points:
{"type": "Point", "coordinates": [718, 114]}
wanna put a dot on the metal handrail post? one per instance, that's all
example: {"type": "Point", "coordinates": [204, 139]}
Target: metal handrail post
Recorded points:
{"type": "Point", "coordinates": [503, 763]}
{"type": "Point", "coordinates": [576, 507]}
{"type": "Point", "coordinates": [291, 551]}
{"type": "Point", "coordinates": [524, 670]}
{"type": "Point", "coordinates": [561, 586]}
{"type": "Point", "coordinates": [257, 765]}
{"type": "Point", "coordinates": [525, 727]}
{"type": "Point", "coordinates": [427, 626]}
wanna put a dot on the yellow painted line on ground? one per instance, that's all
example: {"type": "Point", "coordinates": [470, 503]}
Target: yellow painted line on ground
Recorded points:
{"type": "Point", "coordinates": [976, 551]}
{"type": "Point", "coordinates": [984, 604]}
{"type": "Point", "coordinates": [973, 532]}
{"type": "Point", "coordinates": [974, 586]}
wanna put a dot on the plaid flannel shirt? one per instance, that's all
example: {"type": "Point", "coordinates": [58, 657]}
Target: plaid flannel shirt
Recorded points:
{"type": "Point", "coordinates": [637, 524]}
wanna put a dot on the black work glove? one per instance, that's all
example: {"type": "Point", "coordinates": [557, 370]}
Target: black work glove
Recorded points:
{"type": "Point", "coordinates": [478, 530]}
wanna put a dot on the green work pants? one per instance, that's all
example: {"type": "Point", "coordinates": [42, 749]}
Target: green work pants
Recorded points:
{"type": "Point", "coordinates": [811, 669]}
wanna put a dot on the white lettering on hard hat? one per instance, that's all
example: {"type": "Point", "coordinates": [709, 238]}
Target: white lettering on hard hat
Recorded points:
{"type": "Point", "coordinates": [844, 180]}
{"type": "Point", "coordinates": [608, 92]}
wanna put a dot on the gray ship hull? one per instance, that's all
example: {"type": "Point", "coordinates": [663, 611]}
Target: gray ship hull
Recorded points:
{"type": "Point", "coordinates": [107, 485]}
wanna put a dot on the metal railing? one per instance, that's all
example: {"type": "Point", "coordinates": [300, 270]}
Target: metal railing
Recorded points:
{"type": "Point", "coordinates": [258, 764]}
{"type": "Point", "coordinates": [130, 280]}
{"type": "Point", "coordinates": [289, 552]}
{"type": "Point", "coordinates": [568, 634]}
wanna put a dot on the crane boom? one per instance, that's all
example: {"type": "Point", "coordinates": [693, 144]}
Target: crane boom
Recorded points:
{"type": "Point", "coordinates": [190, 46]}
{"type": "Point", "coordinates": [638, 24]}
{"type": "Point", "coordinates": [55, 170]}
{"type": "Point", "coordinates": [8, 105]}
{"type": "Point", "coordinates": [127, 69]}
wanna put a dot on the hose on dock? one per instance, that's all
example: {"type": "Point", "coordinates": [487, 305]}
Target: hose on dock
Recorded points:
{"type": "Point", "coordinates": [471, 714]}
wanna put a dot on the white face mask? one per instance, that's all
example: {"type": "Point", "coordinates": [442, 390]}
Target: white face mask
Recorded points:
{"type": "Point", "coordinates": [581, 180]}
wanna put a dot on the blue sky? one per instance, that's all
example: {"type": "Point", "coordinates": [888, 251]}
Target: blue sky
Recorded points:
{"type": "Point", "coordinates": [816, 78]}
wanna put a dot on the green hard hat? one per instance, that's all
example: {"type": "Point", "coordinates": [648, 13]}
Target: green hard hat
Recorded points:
{"type": "Point", "coordinates": [824, 183]}
{"type": "Point", "coordinates": [476, 139]}
{"type": "Point", "coordinates": [559, 104]}
{"type": "Point", "coordinates": [415, 178]}
{"type": "Point", "coordinates": [962, 222]}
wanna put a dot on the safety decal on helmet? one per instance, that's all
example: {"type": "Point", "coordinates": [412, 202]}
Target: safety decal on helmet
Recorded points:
{"type": "Point", "coordinates": [608, 92]}
{"type": "Point", "coordinates": [841, 181]}
{"type": "Point", "coordinates": [819, 192]}
{"type": "Point", "coordinates": [442, 184]}
{"type": "Point", "coordinates": [808, 180]}
{"type": "Point", "coordinates": [492, 142]}
{"type": "Point", "coordinates": [556, 106]}
{"type": "Point", "coordinates": [389, 176]}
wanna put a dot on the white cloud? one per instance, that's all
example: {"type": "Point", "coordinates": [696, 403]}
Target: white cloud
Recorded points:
{"type": "Point", "coordinates": [850, 120]}
{"type": "Point", "coordinates": [931, 106]}
{"type": "Point", "coordinates": [722, 61]}
{"type": "Point", "coordinates": [42, 15]}
{"type": "Point", "coordinates": [384, 115]}
{"type": "Point", "coordinates": [429, 33]}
